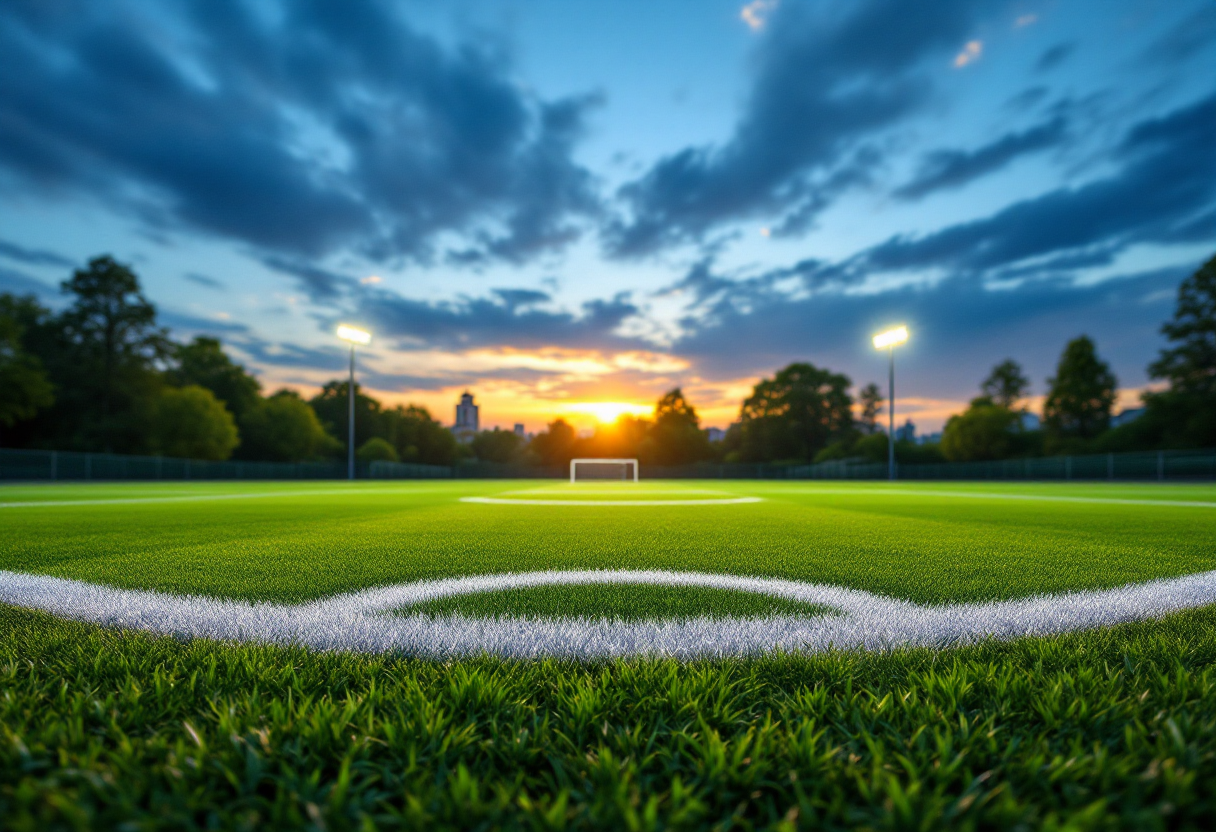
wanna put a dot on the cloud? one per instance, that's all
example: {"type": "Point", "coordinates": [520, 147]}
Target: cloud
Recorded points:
{"type": "Point", "coordinates": [34, 257]}
{"type": "Point", "coordinates": [20, 283]}
{"type": "Point", "coordinates": [1165, 182]}
{"type": "Point", "coordinates": [947, 169]}
{"type": "Point", "coordinates": [1054, 56]}
{"type": "Point", "coordinates": [298, 129]}
{"type": "Point", "coordinates": [829, 81]}
{"type": "Point", "coordinates": [204, 280]}
{"type": "Point", "coordinates": [508, 319]}
{"type": "Point", "coordinates": [1022, 21]}
{"type": "Point", "coordinates": [970, 54]}
{"type": "Point", "coordinates": [756, 13]}
{"type": "Point", "coordinates": [318, 283]}
{"type": "Point", "coordinates": [959, 329]}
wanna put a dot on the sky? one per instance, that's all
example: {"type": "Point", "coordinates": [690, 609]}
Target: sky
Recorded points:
{"type": "Point", "coordinates": [553, 203]}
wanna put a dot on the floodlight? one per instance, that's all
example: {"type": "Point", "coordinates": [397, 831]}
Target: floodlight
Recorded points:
{"type": "Point", "coordinates": [354, 335]}
{"type": "Point", "coordinates": [891, 338]}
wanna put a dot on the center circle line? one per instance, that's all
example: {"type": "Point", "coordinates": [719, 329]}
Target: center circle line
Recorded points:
{"type": "Point", "coordinates": [499, 501]}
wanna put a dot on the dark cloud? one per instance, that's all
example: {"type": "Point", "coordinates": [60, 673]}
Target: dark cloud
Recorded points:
{"type": "Point", "coordinates": [1054, 56]}
{"type": "Point", "coordinates": [517, 298]}
{"type": "Point", "coordinates": [34, 256]}
{"type": "Point", "coordinates": [298, 129]}
{"type": "Point", "coordinates": [946, 169]}
{"type": "Point", "coordinates": [192, 324]}
{"type": "Point", "coordinates": [482, 322]}
{"type": "Point", "coordinates": [1165, 182]}
{"type": "Point", "coordinates": [828, 83]}
{"type": "Point", "coordinates": [204, 280]}
{"type": "Point", "coordinates": [20, 283]}
{"type": "Point", "coordinates": [1185, 38]}
{"type": "Point", "coordinates": [959, 330]}
{"type": "Point", "coordinates": [320, 284]}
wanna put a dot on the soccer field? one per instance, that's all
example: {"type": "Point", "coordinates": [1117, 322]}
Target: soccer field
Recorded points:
{"type": "Point", "coordinates": [913, 656]}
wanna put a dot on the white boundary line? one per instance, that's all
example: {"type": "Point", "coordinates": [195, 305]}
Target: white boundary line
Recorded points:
{"type": "Point", "coordinates": [114, 501]}
{"type": "Point", "coordinates": [499, 501]}
{"type": "Point", "coordinates": [992, 495]}
{"type": "Point", "coordinates": [361, 621]}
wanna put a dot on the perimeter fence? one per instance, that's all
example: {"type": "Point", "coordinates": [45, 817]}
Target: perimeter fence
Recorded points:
{"type": "Point", "coordinates": [34, 465]}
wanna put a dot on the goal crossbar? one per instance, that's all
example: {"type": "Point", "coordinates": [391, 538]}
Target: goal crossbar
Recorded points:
{"type": "Point", "coordinates": [596, 461]}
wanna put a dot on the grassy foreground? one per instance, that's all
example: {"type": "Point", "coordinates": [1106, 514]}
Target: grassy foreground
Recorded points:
{"type": "Point", "coordinates": [1110, 729]}
{"type": "Point", "coordinates": [1103, 730]}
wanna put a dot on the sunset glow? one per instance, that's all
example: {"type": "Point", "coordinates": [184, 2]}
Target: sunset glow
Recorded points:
{"type": "Point", "coordinates": [608, 412]}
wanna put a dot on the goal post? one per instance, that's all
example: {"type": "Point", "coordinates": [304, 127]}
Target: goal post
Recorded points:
{"type": "Point", "coordinates": [626, 465]}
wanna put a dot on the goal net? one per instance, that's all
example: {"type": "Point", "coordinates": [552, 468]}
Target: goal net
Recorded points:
{"type": "Point", "coordinates": [582, 470]}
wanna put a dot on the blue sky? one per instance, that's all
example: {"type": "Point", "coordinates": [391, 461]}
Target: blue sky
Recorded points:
{"type": "Point", "coordinates": [552, 203]}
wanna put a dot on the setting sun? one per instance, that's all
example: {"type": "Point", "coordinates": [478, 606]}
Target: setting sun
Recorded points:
{"type": "Point", "coordinates": [609, 412]}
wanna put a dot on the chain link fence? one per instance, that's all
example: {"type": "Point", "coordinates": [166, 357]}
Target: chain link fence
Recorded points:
{"type": "Point", "coordinates": [29, 465]}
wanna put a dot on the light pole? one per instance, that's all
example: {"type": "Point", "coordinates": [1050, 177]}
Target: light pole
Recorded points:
{"type": "Point", "coordinates": [889, 340]}
{"type": "Point", "coordinates": [354, 336]}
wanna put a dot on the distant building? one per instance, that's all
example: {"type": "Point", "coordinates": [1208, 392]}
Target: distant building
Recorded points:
{"type": "Point", "coordinates": [907, 433]}
{"type": "Point", "coordinates": [1131, 414]}
{"type": "Point", "coordinates": [519, 430]}
{"type": "Point", "coordinates": [929, 438]}
{"type": "Point", "coordinates": [1030, 421]}
{"type": "Point", "coordinates": [468, 421]}
{"type": "Point", "coordinates": [715, 434]}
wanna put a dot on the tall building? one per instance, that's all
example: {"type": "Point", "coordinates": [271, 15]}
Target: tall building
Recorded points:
{"type": "Point", "coordinates": [467, 420]}
{"type": "Point", "coordinates": [519, 430]}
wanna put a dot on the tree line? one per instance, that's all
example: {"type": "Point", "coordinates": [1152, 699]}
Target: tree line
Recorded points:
{"type": "Point", "coordinates": [102, 375]}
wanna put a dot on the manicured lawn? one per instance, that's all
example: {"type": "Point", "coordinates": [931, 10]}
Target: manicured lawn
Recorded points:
{"type": "Point", "coordinates": [1102, 729]}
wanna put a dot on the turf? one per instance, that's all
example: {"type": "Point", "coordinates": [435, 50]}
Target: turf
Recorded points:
{"type": "Point", "coordinates": [614, 602]}
{"type": "Point", "coordinates": [1098, 730]}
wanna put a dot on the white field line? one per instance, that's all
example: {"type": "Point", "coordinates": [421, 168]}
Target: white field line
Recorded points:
{"type": "Point", "coordinates": [515, 502]}
{"type": "Point", "coordinates": [362, 621]}
{"type": "Point", "coordinates": [980, 495]}
{"type": "Point", "coordinates": [112, 501]}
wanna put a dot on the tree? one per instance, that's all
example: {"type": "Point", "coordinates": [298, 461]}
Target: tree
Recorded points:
{"type": "Point", "coordinates": [1185, 414]}
{"type": "Point", "coordinates": [204, 362]}
{"type": "Point", "coordinates": [377, 450]}
{"type": "Point", "coordinates": [24, 386]}
{"type": "Point", "coordinates": [554, 446]}
{"type": "Point", "coordinates": [284, 428]}
{"type": "Point", "coordinates": [111, 351]}
{"type": "Point", "coordinates": [675, 437]}
{"type": "Point", "coordinates": [871, 400]}
{"type": "Point", "coordinates": [190, 422]}
{"type": "Point", "coordinates": [1006, 385]}
{"type": "Point", "coordinates": [419, 438]}
{"type": "Point", "coordinates": [795, 414]}
{"type": "Point", "coordinates": [986, 430]}
{"type": "Point", "coordinates": [1081, 394]}
{"type": "Point", "coordinates": [332, 406]}
{"type": "Point", "coordinates": [497, 446]}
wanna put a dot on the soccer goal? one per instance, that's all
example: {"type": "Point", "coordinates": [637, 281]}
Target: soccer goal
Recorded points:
{"type": "Point", "coordinates": [603, 469]}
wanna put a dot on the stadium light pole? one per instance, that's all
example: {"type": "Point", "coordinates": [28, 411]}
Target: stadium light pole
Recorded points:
{"type": "Point", "coordinates": [354, 336]}
{"type": "Point", "coordinates": [889, 340]}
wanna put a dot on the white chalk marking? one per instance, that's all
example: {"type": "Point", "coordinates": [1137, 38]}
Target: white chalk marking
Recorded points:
{"type": "Point", "coordinates": [498, 501]}
{"type": "Point", "coordinates": [990, 495]}
{"type": "Point", "coordinates": [114, 501]}
{"type": "Point", "coordinates": [362, 621]}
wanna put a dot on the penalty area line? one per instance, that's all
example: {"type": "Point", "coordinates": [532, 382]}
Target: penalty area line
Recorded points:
{"type": "Point", "coordinates": [510, 502]}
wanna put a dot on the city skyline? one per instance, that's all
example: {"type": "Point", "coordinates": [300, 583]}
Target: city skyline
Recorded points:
{"type": "Point", "coordinates": [568, 210]}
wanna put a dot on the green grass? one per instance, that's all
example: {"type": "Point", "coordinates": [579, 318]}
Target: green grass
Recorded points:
{"type": "Point", "coordinates": [623, 603]}
{"type": "Point", "coordinates": [1098, 730]}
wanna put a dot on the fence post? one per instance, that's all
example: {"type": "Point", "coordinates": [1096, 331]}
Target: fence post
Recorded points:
{"type": "Point", "coordinates": [1160, 466]}
{"type": "Point", "coordinates": [1068, 467]}
{"type": "Point", "coordinates": [1110, 466]}
{"type": "Point", "coordinates": [88, 466]}
{"type": "Point", "coordinates": [54, 465]}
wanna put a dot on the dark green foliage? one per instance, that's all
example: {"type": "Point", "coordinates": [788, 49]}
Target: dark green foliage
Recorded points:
{"type": "Point", "coordinates": [795, 414]}
{"type": "Point", "coordinates": [1104, 730]}
{"type": "Point", "coordinates": [191, 423]}
{"type": "Point", "coordinates": [204, 362]}
{"type": "Point", "coordinates": [675, 438]}
{"type": "Point", "coordinates": [24, 386]}
{"type": "Point", "coordinates": [419, 438]}
{"type": "Point", "coordinates": [871, 401]}
{"type": "Point", "coordinates": [555, 445]}
{"type": "Point", "coordinates": [332, 406]}
{"type": "Point", "coordinates": [1081, 395]}
{"type": "Point", "coordinates": [496, 445]}
{"type": "Point", "coordinates": [986, 430]}
{"type": "Point", "coordinates": [1006, 385]}
{"type": "Point", "coordinates": [284, 428]}
{"type": "Point", "coordinates": [377, 450]}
